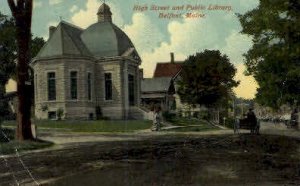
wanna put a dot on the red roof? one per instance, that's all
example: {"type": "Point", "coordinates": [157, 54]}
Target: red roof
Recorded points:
{"type": "Point", "coordinates": [167, 69]}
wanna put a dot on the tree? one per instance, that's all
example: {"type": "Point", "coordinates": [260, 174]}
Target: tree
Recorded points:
{"type": "Point", "coordinates": [8, 55]}
{"type": "Point", "coordinates": [206, 78]}
{"type": "Point", "coordinates": [22, 13]}
{"type": "Point", "coordinates": [274, 59]}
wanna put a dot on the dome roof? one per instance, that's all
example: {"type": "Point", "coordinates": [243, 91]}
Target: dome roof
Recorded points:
{"type": "Point", "coordinates": [104, 39]}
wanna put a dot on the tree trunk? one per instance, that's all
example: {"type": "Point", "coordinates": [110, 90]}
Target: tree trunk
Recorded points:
{"type": "Point", "coordinates": [22, 12]}
{"type": "Point", "coordinates": [23, 84]}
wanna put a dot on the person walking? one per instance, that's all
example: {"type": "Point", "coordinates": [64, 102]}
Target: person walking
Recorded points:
{"type": "Point", "coordinates": [156, 119]}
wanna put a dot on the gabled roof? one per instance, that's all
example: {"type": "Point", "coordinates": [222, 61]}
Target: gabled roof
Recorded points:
{"type": "Point", "coordinates": [167, 69]}
{"type": "Point", "coordinates": [65, 40]}
{"type": "Point", "coordinates": [161, 84]}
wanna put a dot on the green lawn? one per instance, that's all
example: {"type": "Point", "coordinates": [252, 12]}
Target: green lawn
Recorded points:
{"type": "Point", "coordinates": [190, 125]}
{"type": "Point", "coordinates": [9, 147]}
{"type": "Point", "coordinates": [194, 129]}
{"type": "Point", "coordinates": [92, 126]}
{"type": "Point", "coordinates": [180, 121]}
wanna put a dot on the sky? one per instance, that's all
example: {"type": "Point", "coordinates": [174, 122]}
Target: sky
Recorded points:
{"type": "Point", "coordinates": [154, 37]}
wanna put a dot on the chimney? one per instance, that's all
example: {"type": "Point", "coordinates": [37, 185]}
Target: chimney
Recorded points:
{"type": "Point", "coordinates": [172, 57]}
{"type": "Point", "coordinates": [51, 30]}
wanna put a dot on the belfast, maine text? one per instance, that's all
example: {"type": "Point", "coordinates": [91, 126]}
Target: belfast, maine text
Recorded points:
{"type": "Point", "coordinates": [180, 11]}
{"type": "Point", "coordinates": [188, 7]}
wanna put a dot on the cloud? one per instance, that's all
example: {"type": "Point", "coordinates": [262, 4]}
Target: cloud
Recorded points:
{"type": "Point", "coordinates": [185, 38]}
{"type": "Point", "coordinates": [236, 45]}
{"type": "Point", "coordinates": [88, 16]}
{"type": "Point", "coordinates": [143, 32]}
{"type": "Point", "coordinates": [37, 4]}
{"type": "Point", "coordinates": [248, 85]}
{"type": "Point", "coordinates": [55, 2]}
{"type": "Point", "coordinates": [74, 8]}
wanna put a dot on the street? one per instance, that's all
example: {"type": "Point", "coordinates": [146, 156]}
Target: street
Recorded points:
{"type": "Point", "coordinates": [167, 158]}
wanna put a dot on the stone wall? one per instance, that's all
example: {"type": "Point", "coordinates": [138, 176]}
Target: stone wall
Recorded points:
{"type": "Point", "coordinates": [82, 107]}
{"type": "Point", "coordinates": [110, 108]}
{"type": "Point", "coordinates": [42, 104]}
{"type": "Point", "coordinates": [79, 108]}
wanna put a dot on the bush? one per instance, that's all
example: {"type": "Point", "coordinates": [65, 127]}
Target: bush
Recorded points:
{"type": "Point", "coordinates": [60, 113]}
{"type": "Point", "coordinates": [204, 115]}
{"type": "Point", "coordinates": [169, 116]}
{"type": "Point", "coordinates": [196, 115]}
{"type": "Point", "coordinates": [229, 123]}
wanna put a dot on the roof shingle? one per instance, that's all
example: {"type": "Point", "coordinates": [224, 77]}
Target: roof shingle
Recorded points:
{"type": "Point", "coordinates": [156, 84]}
{"type": "Point", "coordinates": [167, 69]}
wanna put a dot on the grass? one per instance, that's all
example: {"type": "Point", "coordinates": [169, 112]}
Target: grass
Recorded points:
{"type": "Point", "coordinates": [180, 121]}
{"type": "Point", "coordinates": [190, 125]}
{"type": "Point", "coordinates": [92, 126]}
{"type": "Point", "coordinates": [194, 129]}
{"type": "Point", "coordinates": [9, 147]}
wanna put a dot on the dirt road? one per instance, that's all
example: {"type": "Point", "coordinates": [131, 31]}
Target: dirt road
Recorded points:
{"type": "Point", "coordinates": [208, 158]}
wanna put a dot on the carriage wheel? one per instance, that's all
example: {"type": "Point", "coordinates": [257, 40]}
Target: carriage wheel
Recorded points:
{"type": "Point", "coordinates": [257, 130]}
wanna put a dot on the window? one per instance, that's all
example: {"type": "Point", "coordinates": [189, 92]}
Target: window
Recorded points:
{"type": "Point", "coordinates": [131, 90]}
{"type": "Point", "coordinates": [51, 86]}
{"type": "Point", "coordinates": [52, 115]}
{"type": "Point", "coordinates": [89, 84]}
{"type": "Point", "coordinates": [108, 86]}
{"type": "Point", "coordinates": [73, 80]}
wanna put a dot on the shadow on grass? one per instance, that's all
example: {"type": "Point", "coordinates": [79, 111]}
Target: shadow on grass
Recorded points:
{"type": "Point", "coordinates": [193, 129]}
{"type": "Point", "coordinates": [9, 146]}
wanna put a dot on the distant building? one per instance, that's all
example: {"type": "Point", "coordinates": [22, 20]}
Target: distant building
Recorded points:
{"type": "Point", "coordinates": [79, 70]}
{"type": "Point", "coordinates": [168, 69]}
{"type": "Point", "coordinates": [162, 89]}
{"type": "Point", "coordinates": [158, 92]}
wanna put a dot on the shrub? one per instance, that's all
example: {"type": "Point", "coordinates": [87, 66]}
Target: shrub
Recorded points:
{"type": "Point", "coordinates": [169, 116]}
{"type": "Point", "coordinates": [229, 123]}
{"type": "Point", "coordinates": [196, 115]}
{"type": "Point", "coordinates": [60, 113]}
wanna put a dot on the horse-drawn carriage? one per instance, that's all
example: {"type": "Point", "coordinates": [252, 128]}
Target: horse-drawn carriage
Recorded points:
{"type": "Point", "coordinates": [292, 124]}
{"type": "Point", "coordinates": [248, 124]}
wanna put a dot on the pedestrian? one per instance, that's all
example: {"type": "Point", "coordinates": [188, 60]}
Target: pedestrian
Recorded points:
{"type": "Point", "coordinates": [156, 119]}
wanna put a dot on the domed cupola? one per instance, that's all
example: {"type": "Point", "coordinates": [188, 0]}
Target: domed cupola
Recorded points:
{"type": "Point", "coordinates": [104, 13]}
{"type": "Point", "coordinates": [104, 39]}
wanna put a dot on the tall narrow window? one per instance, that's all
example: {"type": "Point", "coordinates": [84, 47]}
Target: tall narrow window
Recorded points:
{"type": "Point", "coordinates": [89, 84]}
{"type": "Point", "coordinates": [51, 86]}
{"type": "Point", "coordinates": [73, 79]}
{"type": "Point", "coordinates": [108, 86]}
{"type": "Point", "coordinates": [131, 95]}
